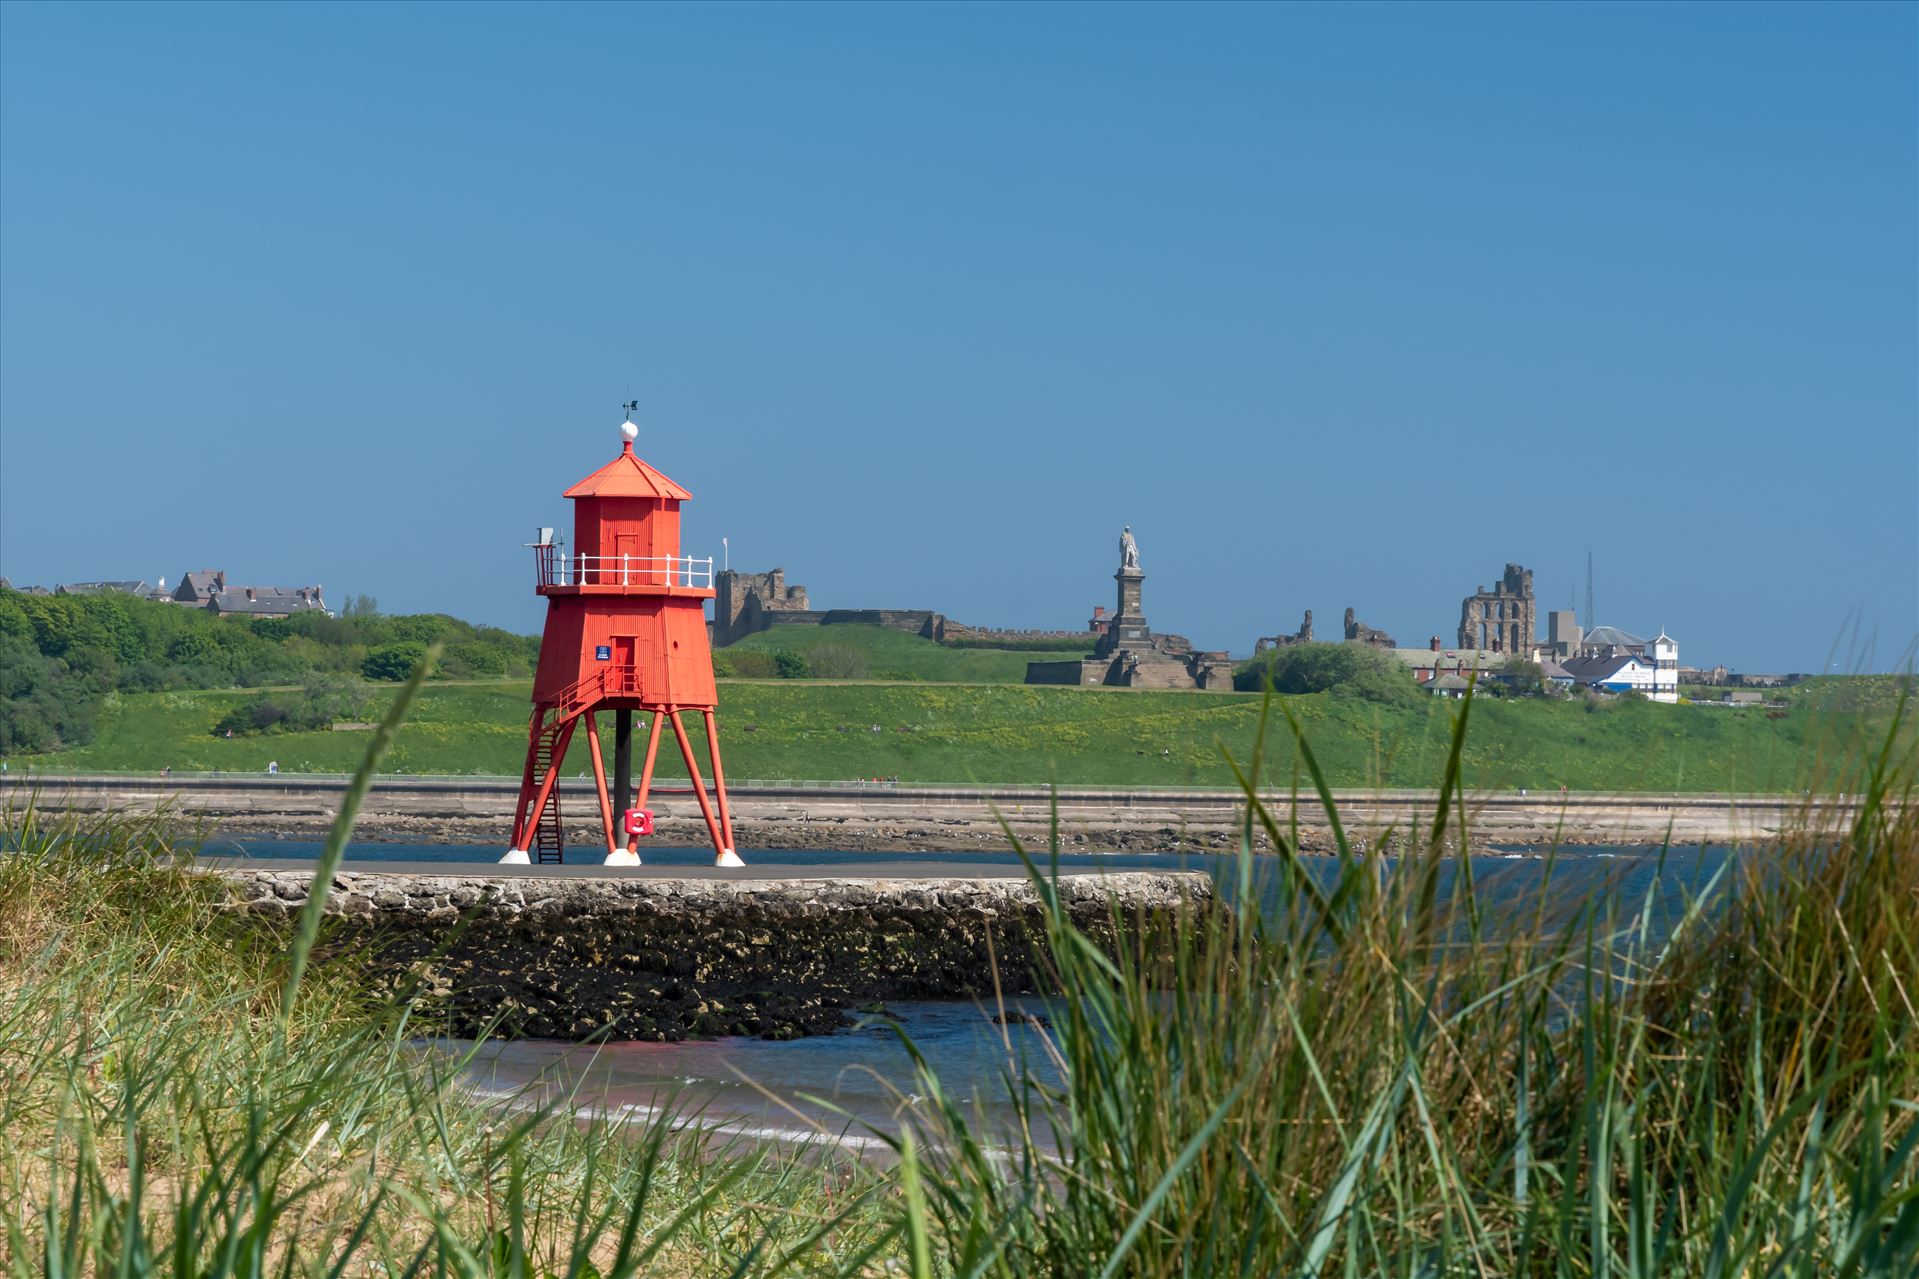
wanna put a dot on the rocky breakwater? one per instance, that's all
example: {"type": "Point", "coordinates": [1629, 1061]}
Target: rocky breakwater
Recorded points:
{"type": "Point", "coordinates": [664, 959]}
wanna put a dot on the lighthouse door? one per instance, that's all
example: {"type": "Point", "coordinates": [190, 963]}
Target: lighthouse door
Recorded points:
{"type": "Point", "coordinates": [625, 676]}
{"type": "Point", "coordinates": [627, 569]}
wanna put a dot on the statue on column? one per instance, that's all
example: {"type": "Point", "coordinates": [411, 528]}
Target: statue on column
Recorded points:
{"type": "Point", "coordinates": [1128, 549]}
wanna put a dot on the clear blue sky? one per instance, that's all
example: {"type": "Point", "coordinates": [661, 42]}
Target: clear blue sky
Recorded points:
{"type": "Point", "coordinates": [1336, 306]}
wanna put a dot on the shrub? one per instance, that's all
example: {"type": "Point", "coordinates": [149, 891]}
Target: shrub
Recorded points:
{"type": "Point", "coordinates": [43, 707]}
{"type": "Point", "coordinates": [469, 661]}
{"type": "Point", "coordinates": [1354, 669]}
{"type": "Point", "coordinates": [263, 714]}
{"type": "Point", "coordinates": [191, 646]}
{"type": "Point", "coordinates": [790, 665]}
{"type": "Point", "coordinates": [1519, 677]}
{"type": "Point", "coordinates": [149, 677]}
{"type": "Point", "coordinates": [423, 628]}
{"type": "Point", "coordinates": [392, 661]}
{"type": "Point", "coordinates": [314, 708]}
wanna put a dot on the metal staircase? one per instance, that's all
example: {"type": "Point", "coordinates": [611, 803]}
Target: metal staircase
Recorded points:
{"type": "Point", "coordinates": [549, 843]}
{"type": "Point", "coordinates": [546, 839]}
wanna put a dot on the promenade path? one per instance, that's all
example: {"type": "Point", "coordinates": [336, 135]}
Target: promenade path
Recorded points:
{"type": "Point", "coordinates": [863, 815]}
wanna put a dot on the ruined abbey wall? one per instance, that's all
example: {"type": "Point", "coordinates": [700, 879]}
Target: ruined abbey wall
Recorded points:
{"type": "Point", "coordinates": [1504, 619]}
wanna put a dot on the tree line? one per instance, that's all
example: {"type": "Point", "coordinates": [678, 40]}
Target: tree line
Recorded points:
{"type": "Point", "coordinates": [61, 655]}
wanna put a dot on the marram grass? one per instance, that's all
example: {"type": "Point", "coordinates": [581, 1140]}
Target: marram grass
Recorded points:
{"type": "Point", "coordinates": [1373, 1080]}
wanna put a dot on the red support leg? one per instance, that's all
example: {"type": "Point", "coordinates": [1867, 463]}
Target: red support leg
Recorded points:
{"type": "Point", "coordinates": [646, 775]}
{"type": "Point", "coordinates": [719, 778]}
{"type": "Point", "coordinates": [599, 780]}
{"type": "Point", "coordinates": [699, 787]}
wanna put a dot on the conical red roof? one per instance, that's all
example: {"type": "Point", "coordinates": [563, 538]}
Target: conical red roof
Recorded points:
{"type": "Point", "coordinates": [627, 476]}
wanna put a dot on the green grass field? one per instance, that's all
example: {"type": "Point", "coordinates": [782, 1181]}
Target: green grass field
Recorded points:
{"type": "Point", "coordinates": [807, 730]}
{"type": "Point", "coordinates": [894, 655]}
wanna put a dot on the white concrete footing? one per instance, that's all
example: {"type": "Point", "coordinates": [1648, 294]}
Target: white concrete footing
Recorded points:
{"type": "Point", "coordinates": [622, 857]}
{"type": "Point", "coordinates": [728, 857]}
{"type": "Point", "coordinates": [516, 857]}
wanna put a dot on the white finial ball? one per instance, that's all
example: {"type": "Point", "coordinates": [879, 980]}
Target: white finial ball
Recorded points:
{"type": "Point", "coordinates": [630, 431]}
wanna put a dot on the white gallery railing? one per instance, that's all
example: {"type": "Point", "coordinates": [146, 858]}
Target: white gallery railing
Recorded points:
{"type": "Point", "coordinates": [555, 567]}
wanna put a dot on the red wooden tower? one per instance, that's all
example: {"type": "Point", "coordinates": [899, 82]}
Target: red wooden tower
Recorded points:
{"type": "Point", "coordinates": [625, 632]}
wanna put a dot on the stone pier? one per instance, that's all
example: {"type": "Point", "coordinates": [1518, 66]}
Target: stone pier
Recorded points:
{"type": "Point", "coordinates": [656, 957]}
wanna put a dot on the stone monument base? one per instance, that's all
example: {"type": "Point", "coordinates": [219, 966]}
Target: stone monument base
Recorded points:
{"type": "Point", "coordinates": [1138, 668]}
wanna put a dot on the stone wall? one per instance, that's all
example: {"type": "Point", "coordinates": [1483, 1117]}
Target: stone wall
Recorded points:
{"type": "Point", "coordinates": [747, 603]}
{"type": "Point", "coordinates": [785, 617]}
{"type": "Point", "coordinates": [1090, 670]}
{"type": "Point", "coordinates": [646, 958]}
{"type": "Point", "coordinates": [948, 631]}
{"type": "Point", "coordinates": [909, 621]}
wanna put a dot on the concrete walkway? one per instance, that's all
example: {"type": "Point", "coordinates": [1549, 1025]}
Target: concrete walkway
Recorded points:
{"type": "Point", "coordinates": [896, 818]}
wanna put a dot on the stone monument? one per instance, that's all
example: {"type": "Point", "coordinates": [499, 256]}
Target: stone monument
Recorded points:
{"type": "Point", "coordinates": [1127, 652]}
{"type": "Point", "coordinates": [1128, 625]}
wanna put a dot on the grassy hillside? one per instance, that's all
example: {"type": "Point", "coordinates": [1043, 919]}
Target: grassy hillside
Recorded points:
{"type": "Point", "coordinates": [803, 729]}
{"type": "Point", "coordinates": [61, 655]}
{"type": "Point", "coordinates": [873, 652]}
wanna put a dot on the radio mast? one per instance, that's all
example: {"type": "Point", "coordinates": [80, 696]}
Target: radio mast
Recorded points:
{"type": "Point", "coordinates": [1589, 588]}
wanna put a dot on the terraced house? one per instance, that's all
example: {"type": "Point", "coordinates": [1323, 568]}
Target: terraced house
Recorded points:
{"type": "Point", "coordinates": [208, 589]}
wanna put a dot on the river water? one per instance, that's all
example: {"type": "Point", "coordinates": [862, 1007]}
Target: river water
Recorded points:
{"type": "Point", "coordinates": [843, 1084]}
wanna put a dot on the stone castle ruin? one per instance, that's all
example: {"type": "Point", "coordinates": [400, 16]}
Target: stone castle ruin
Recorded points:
{"type": "Point", "coordinates": [1353, 632]}
{"type": "Point", "coordinates": [1128, 654]}
{"type": "Point", "coordinates": [747, 602]}
{"type": "Point", "coordinates": [1304, 635]}
{"type": "Point", "coordinates": [1357, 632]}
{"type": "Point", "coordinates": [1504, 619]}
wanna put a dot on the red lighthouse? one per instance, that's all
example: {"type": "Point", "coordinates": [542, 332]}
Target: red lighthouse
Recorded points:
{"type": "Point", "coordinates": [625, 632]}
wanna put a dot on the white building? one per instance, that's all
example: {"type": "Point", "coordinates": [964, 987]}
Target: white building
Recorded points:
{"type": "Point", "coordinates": [1627, 664]}
{"type": "Point", "coordinates": [1664, 653]}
